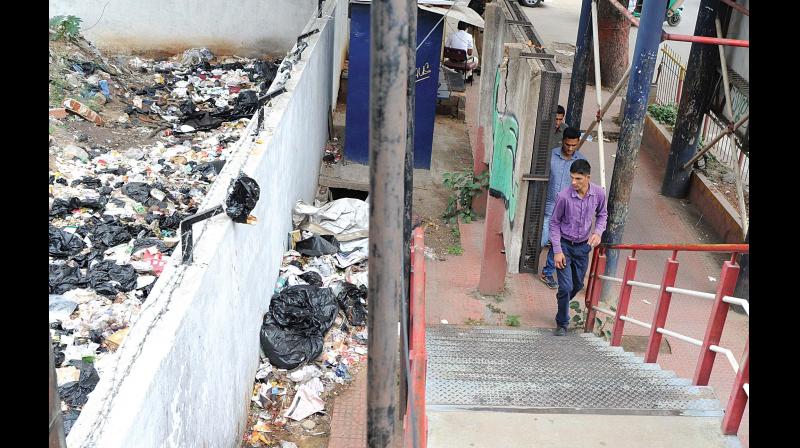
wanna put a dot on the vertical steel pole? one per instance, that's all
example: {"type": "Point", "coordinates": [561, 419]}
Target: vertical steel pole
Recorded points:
{"type": "Point", "coordinates": [577, 85]}
{"type": "Point", "coordinates": [56, 425]}
{"type": "Point", "coordinates": [387, 150]}
{"type": "Point", "coordinates": [698, 85]}
{"type": "Point", "coordinates": [408, 189]}
{"type": "Point", "coordinates": [630, 136]}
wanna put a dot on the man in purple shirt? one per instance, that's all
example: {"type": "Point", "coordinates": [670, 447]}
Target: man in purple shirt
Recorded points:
{"type": "Point", "coordinates": [571, 235]}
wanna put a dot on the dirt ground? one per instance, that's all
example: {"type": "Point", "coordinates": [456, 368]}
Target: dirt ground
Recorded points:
{"type": "Point", "coordinates": [294, 431]}
{"type": "Point", "coordinates": [723, 181]}
{"type": "Point", "coordinates": [453, 151]}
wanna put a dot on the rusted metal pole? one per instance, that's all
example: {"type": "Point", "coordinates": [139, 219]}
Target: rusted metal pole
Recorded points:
{"type": "Point", "coordinates": [743, 282]}
{"type": "Point", "coordinates": [698, 88]}
{"type": "Point", "coordinates": [408, 187]}
{"type": "Point", "coordinates": [613, 30]}
{"type": "Point", "coordinates": [387, 149]}
{"type": "Point", "coordinates": [624, 11]}
{"type": "Point", "coordinates": [56, 424]}
{"type": "Point", "coordinates": [603, 111]}
{"type": "Point", "coordinates": [706, 40]}
{"type": "Point", "coordinates": [714, 141]}
{"type": "Point", "coordinates": [737, 167]}
{"type": "Point", "coordinates": [736, 6]}
{"type": "Point", "coordinates": [642, 68]}
{"type": "Point", "coordinates": [577, 85]}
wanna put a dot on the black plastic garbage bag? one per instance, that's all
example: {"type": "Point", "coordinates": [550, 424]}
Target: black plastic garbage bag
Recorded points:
{"type": "Point", "coordinates": [109, 278]}
{"type": "Point", "coordinates": [296, 323]}
{"type": "Point", "coordinates": [207, 169]}
{"type": "Point", "coordinates": [242, 198]}
{"type": "Point", "coordinates": [69, 417]}
{"type": "Point", "coordinates": [304, 308]}
{"type": "Point", "coordinates": [288, 349]}
{"type": "Point", "coordinates": [64, 277]}
{"type": "Point", "coordinates": [353, 301]}
{"type": "Point", "coordinates": [142, 243]}
{"type": "Point", "coordinates": [84, 260]}
{"type": "Point", "coordinates": [110, 235]}
{"type": "Point", "coordinates": [318, 245]}
{"type": "Point", "coordinates": [63, 244]}
{"type": "Point", "coordinates": [312, 278]}
{"type": "Point", "coordinates": [138, 191]}
{"type": "Point", "coordinates": [75, 393]}
{"type": "Point", "coordinates": [91, 182]}
{"type": "Point", "coordinates": [246, 104]}
{"type": "Point", "coordinates": [172, 221]}
{"type": "Point", "coordinates": [63, 207]}
{"type": "Point", "coordinates": [201, 121]}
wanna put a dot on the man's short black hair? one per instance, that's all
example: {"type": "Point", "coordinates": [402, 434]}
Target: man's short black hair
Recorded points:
{"type": "Point", "coordinates": [580, 166]}
{"type": "Point", "coordinates": [463, 25]}
{"type": "Point", "coordinates": [560, 110]}
{"type": "Point", "coordinates": [571, 132]}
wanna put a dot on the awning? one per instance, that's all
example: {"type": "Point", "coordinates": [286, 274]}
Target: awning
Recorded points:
{"type": "Point", "coordinates": [457, 10]}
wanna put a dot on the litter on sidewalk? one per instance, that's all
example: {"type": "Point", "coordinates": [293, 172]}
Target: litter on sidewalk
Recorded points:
{"type": "Point", "coordinates": [314, 333]}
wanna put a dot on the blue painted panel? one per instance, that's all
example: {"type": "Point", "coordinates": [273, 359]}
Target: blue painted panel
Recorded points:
{"type": "Point", "coordinates": [357, 120]}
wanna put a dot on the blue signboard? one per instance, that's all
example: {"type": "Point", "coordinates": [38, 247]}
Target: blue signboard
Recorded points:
{"type": "Point", "coordinates": [356, 142]}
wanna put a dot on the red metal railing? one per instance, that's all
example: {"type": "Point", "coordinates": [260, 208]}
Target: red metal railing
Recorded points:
{"type": "Point", "coordinates": [709, 346]}
{"type": "Point", "coordinates": [682, 37]}
{"type": "Point", "coordinates": [416, 422]}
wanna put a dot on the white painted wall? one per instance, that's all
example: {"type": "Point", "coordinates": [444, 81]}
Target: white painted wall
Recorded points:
{"type": "Point", "coordinates": [243, 27]}
{"type": "Point", "coordinates": [184, 373]}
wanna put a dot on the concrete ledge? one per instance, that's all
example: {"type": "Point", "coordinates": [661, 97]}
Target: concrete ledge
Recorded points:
{"type": "Point", "coordinates": [714, 207]}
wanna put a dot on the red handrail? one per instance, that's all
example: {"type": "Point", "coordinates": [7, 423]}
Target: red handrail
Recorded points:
{"type": "Point", "coordinates": [416, 422]}
{"type": "Point", "coordinates": [708, 346]}
{"type": "Point", "coordinates": [739, 248]}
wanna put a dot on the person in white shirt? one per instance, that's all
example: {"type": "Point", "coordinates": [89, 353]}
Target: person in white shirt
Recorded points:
{"type": "Point", "coordinates": [462, 40]}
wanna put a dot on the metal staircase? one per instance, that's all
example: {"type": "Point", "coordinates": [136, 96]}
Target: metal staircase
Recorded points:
{"type": "Point", "coordinates": [497, 367]}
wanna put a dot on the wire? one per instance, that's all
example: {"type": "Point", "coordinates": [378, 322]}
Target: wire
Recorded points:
{"type": "Point", "coordinates": [434, 28]}
{"type": "Point", "coordinates": [101, 16]}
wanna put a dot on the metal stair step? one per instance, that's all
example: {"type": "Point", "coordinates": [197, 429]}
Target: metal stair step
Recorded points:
{"type": "Point", "coordinates": [531, 368]}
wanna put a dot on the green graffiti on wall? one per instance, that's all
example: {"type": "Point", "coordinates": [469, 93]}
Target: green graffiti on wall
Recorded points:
{"type": "Point", "coordinates": [505, 132]}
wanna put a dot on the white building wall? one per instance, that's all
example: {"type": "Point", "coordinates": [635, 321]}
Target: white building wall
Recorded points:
{"type": "Point", "coordinates": [243, 27]}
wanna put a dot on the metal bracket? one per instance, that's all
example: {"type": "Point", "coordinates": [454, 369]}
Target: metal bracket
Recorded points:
{"type": "Point", "coordinates": [187, 242]}
{"type": "Point", "coordinates": [537, 56]}
{"type": "Point", "coordinates": [534, 178]}
{"type": "Point", "coordinates": [270, 95]}
{"type": "Point", "coordinates": [304, 35]}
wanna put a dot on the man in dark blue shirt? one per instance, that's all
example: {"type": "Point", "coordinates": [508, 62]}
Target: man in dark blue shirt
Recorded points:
{"type": "Point", "coordinates": [561, 159]}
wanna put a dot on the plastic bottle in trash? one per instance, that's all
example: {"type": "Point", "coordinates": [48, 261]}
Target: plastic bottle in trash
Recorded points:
{"type": "Point", "coordinates": [104, 88]}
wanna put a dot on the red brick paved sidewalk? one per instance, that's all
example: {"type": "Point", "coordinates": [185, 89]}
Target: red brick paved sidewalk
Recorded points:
{"type": "Point", "coordinates": [349, 420]}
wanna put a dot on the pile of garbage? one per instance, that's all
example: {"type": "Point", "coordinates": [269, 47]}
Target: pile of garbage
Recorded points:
{"type": "Point", "coordinates": [314, 335]}
{"type": "Point", "coordinates": [115, 210]}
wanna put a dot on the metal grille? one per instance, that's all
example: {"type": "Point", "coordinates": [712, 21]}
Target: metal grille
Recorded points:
{"type": "Point", "coordinates": [670, 74]}
{"type": "Point", "coordinates": [499, 367]}
{"type": "Point", "coordinates": [540, 168]}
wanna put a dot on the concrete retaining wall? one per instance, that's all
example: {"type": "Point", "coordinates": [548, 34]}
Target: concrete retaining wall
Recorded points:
{"type": "Point", "coordinates": [244, 27]}
{"type": "Point", "coordinates": [183, 375]}
{"type": "Point", "coordinates": [716, 209]}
